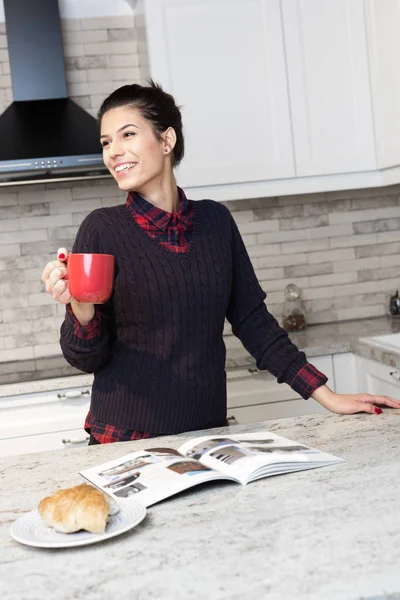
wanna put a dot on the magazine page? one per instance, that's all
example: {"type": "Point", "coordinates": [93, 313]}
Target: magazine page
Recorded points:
{"type": "Point", "coordinates": [150, 475]}
{"type": "Point", "coordinates": [252, 456]}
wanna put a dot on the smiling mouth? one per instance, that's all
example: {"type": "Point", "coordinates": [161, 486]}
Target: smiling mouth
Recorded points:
{"type": "Point", "coordinates": [121, 169]}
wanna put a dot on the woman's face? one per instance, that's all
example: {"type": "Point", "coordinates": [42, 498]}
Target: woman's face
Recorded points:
{"type": "Point", "coordinates": [131, 151]}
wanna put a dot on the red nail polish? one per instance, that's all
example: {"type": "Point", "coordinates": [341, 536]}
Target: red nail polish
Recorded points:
{"type": "Point", "coordinates": [62, 256]}
{"type": "Point", "coordinates": [378, 410]}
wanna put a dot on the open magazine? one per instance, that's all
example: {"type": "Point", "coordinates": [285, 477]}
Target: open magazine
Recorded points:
{"type": "Point", "coordinates": [157, 473]}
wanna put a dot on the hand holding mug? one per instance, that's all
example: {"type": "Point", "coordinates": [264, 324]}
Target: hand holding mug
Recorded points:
{"type": "Point", "coordinates": [87, 280]}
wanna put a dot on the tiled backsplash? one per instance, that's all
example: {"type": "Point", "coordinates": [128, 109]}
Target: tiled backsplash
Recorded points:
{"type": "Point", "coordinates": [341, 248]}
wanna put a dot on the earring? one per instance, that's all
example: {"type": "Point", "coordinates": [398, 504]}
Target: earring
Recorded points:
{"type": "Point", "coordinates": [165, 149]}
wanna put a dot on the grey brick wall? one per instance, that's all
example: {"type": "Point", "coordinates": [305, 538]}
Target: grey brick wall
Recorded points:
{"type": "Point", "coordinates": [340, 248]}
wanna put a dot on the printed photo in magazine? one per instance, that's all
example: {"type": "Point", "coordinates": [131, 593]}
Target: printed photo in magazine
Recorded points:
{"type": "Point", "coordinates": [158, 473]}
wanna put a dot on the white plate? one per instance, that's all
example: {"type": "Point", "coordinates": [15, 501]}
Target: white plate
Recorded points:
{"type": "Point", "coordinates": [30, 529]}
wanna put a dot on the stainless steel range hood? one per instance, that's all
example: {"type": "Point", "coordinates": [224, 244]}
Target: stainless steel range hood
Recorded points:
{"type": "Point", "coordinates": [45, 136]}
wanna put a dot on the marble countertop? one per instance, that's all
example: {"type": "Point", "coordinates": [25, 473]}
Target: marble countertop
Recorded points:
{"type": "Point", "coordinates": [45, 385]}
{"type": "Point", "coordinates": [332, 533]}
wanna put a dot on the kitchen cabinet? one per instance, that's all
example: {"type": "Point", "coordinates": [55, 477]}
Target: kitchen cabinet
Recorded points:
{"type": "Point", "coordinates": [53, 420]}
{"type": "Point", "coordinates": [202, 53]}
{"type": "Point", "coordinates": [377, 378]}
{"type": "Point", "coordinates": [383, 21]}
{"type": "Point", "coordinates": [43, 421]}
{"type": "Point", "coordinates": [30, 444]}
{"type": "Point", "coordinates": [329, 87]}
{"type": "Point", "coordinates": [281, 96]}
{"type": "Point", "coordinates": [345, 373]}
{"type": "Point", "coordinates": [255, 395]}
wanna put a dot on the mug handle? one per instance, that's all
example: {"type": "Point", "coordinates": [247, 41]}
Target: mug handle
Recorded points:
{"type": "Point", "coordinates": [65, 260]}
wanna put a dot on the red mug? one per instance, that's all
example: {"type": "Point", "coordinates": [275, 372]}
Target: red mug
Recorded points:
{"type": "Point", "coordinates": [90, 277]}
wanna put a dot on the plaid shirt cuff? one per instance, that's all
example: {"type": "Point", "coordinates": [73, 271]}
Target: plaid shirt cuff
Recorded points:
{"type": "Point", "coordinates": [83, 332]}
{"type": "Point", "coordinates": [307, 380]}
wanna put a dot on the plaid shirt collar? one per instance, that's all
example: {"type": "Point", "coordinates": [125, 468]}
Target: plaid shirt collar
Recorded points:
{"type": "Point", "coordinates": [158, 217]}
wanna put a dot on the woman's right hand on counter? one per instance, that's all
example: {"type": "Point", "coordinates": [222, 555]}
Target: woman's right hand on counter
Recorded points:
{"type": "Point", "coordinates": [53, 277]}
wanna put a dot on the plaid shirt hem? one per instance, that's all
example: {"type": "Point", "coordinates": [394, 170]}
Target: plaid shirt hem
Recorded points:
{"type": "Point", "coordinates": [307, 380]}
{"type": "Point", "coordinates": [107, 434]}
{"type": "Point", "coordinates": [84, 332]}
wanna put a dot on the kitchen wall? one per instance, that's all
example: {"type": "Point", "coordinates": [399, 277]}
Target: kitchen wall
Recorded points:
{"type": "Point", "coordinates": [101, 54]}
{"type": "Point", "coordinates": [341, 248]}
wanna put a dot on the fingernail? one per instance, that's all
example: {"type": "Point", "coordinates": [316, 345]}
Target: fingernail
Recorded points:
{"type": "Point", "coordinates": [378, 410]}
{"type": "Point", "coordinates": [62, 256]}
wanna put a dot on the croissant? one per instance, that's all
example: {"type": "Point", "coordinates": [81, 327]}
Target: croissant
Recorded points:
{"type": "Point", "coordinates": [76, 508]}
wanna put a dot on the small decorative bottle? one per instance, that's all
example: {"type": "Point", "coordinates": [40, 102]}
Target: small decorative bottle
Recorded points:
{"type": "Point", "coordinates": [293, 311]}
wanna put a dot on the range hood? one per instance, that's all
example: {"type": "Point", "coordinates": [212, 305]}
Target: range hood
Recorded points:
{"type": "Point", "coordinates": [44, 135]}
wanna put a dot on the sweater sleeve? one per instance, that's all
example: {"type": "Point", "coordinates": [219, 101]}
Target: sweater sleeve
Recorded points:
{"type": "Point", "coordinates": [260, 332]}
{"type": "Point", "coordinates": [90, 330]}
{"type": "Point", "coordinates": [88, 353]}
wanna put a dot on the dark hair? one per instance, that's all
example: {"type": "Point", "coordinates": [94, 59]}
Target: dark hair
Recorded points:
{"type": "Point", "coordinates": [155, 105]}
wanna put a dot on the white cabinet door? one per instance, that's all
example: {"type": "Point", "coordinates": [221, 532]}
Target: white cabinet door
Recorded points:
{"type": "Point", "coordinates": [43, 421]}
{"type": "Point", "coordinates": [345, 374]}
{"type": "Point", "coordinates": [330, 97]}
{"type": "Point", "coordinates": [383, 26]}
{"type": "Point", "coordinates": [29, 444]}
{"type": "Point", "coordinates": [378, 379]}
{"type": "Point", "coordinates": [224, 62]}
{"type": "Point", "coordinates": [42, 413]}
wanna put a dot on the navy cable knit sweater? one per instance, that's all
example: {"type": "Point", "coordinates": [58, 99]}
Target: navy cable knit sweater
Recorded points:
{"type": "Point", "coordinates": [159, 360]}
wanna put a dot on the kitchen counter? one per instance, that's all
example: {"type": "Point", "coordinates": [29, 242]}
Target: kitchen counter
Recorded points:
{"type": "Point", "coordinates": [329, 338]}
{"type": "Point", "coordinates": [331, 533]}
{"type": "Point", "coordinates": [45, 385]}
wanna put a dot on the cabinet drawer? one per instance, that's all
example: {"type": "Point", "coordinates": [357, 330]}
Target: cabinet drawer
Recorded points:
{"type": "Point", "coordinates": [260, 387]}
{"type": "Point", "coordinates": [73, 438]}
{"type": "Point", "coordinates": [42, 413]}
{"type": "Point", "coordinates": [257, 396]}
{"type": "Point", "coordinates": [274, 410]}
{"type": "Point", "coordinates": [257, 389]}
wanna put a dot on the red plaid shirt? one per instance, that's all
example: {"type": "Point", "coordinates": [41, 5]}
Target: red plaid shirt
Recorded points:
{"type": "Point", "coordinates": [174, 232]}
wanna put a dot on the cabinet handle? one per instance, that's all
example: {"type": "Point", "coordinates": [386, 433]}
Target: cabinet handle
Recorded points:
{"type": "Point", "coordinates": [395, 375]}
{"type": "Point", "coordinates": [232, 420]}
{"type": "Point", "coordinates": [75, 440]}
{"type": "Point", "coordinates": [253, 370]}
{"type": "Point", "coordinates": [74, 394]}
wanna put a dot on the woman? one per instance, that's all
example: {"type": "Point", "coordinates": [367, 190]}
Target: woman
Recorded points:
{"type": "Point", "coordinates": [156, 347]}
